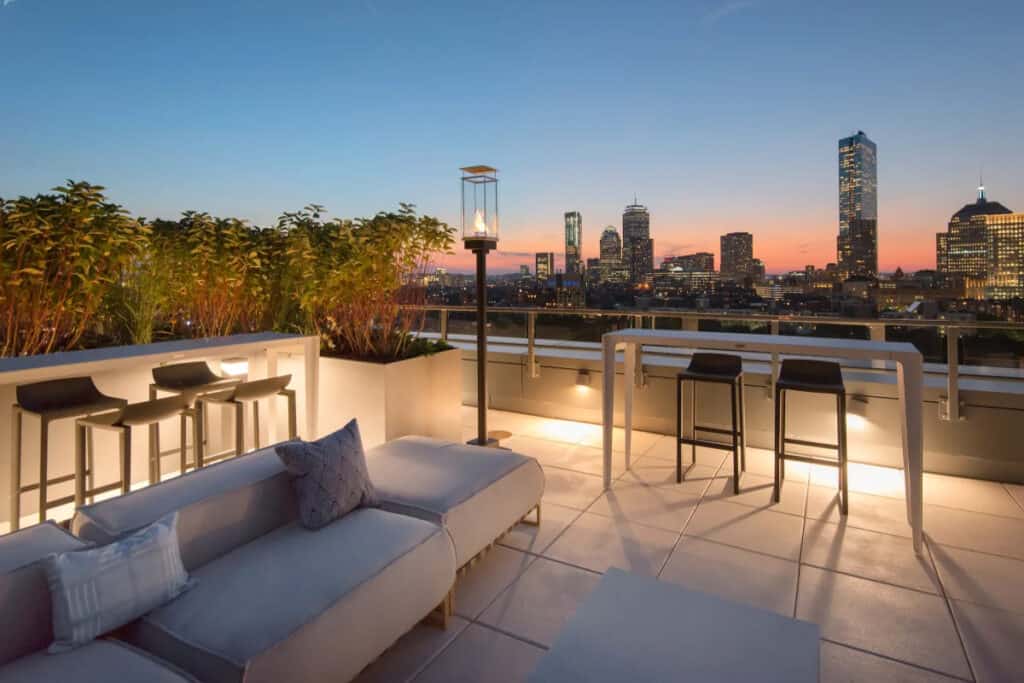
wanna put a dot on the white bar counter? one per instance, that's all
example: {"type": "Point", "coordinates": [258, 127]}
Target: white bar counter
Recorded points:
{"type": "Point", "coordinates": [910, 379]}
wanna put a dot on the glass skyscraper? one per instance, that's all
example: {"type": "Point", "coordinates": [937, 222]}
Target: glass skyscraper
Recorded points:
{"type": "Point", "coordinates": [857, 243]}
{"type": "Point", "coordinates": [737, 255]}
{"type": "Point", "coordinates": [573, 241]}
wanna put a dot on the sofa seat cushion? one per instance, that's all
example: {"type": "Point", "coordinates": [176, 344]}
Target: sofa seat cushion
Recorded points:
{"type": "Point", "coordinates": [476, 493]}
{"type": "Point", "coordinates": [101, 661]}
{"type": "Point", "coordinates": [304, 605]}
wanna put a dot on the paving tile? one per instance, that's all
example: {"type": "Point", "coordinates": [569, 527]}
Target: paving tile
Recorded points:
{"type": "Point", "coordinates": [482, 655]}
{"type": "Point", "coordinates": [985, 579]}
{"type": "Point", "coordinates": [868, 554]}
{"type": "Point", "coordinates": [975, 531]}
{"type": "Point", "coordinates": [970, 494]}
{"type": "Point", "coordinates": [665, 449]}
{"type": "Point", "coordinates": [535, 539]}
{"type": "Point", "coordinates": [904, 624]}
{"type": "Point", "coordinates": [993, 640]}
{"type": "Point", "coordinates": [871, 479]}
{"type": "Point", "coordinates": [764, 531]}
{"type": "Point", "coordinates": [597, 543]}
{"type": "Point", "coordinates": [762, 461]}
{"type": "Point", "coordinates": [840, 664]}
{"type": "Point", "coordinates": [565, 455]}
{"type": "Point", "coordinates": [657, 506]}
{"type": "Point", "coordinates": [874, 513]}
{"type": "Point", "coordinates": [566, 431]}
{"type": "Point", "coordinates": [410, 655]}
{"type": "Point", "coordinates": [738, 575]}
{"type": "Point", "coordinates": [1016, 492]}
{"type": "Point", "coordinates": [481, 583]}
{"type": "Point", "coordinates": [642, 441]}
{"type": "Point", "coordinates": [653, 472]}
{"type": "Point", "coordinates": [756, 492]}
{"type": "Point", "coordinates": [541, 601]}
{"type": "Point", "coordinates": [571, 489]}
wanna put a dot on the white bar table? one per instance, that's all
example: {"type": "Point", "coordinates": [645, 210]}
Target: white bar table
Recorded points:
{"type": "Point", "coordinates": [909, 370]}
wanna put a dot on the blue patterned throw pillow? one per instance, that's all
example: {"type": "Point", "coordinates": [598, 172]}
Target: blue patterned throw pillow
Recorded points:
{"type": "Point", "coordinates": [96, 590]}
{"type": "Point", "coordinates": [329, 476]}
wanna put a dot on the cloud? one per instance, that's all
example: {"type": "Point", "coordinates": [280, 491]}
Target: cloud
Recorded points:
{"type": "Point", "coordinates": [8, 2]}
{"type": "Point", "coordinates": [517, 254]}
{"type": "Point", "coordinates": [723, 11]}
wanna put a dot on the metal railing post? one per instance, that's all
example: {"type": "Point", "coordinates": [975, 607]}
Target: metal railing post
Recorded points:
{"type": "Point", "coordinates": [952, 374]}
{"type": "Point", "coordinates": [531, 346]}
{"type": "Point", "coordinates": [444, 324]}
{"type": "Point", "coordinates": [774, 329]}
{"type": "Point", "coordinates": [876, 332]}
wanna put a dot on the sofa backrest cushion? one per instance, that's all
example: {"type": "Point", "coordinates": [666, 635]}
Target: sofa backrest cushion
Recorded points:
{"type": "Point", "coordinates": [25, 613]}
{"type": "Point", "coordinates": [220, 507]}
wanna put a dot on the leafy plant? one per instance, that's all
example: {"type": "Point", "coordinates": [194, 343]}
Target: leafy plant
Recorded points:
{"type": "Point", "coordinates": [351, 277]}
{"type": "Point", "coordinates": [60, 255]}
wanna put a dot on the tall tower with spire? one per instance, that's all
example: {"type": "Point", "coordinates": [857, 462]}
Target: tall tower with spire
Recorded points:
{"type": "Point", "coordinates": [962, 252]}
{"type": "Point", "coordinates": [857, 242]}
{"type": "Point", "coordinates": [637, 245]}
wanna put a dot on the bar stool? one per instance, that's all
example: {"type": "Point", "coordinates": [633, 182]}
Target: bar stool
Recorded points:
{"type": "Point", "coordinates": [190, 379]}
{"type": "Point", "coordinates": [148, 413]}
{"type": "Point", "coordinates": [814, 377]}
{"type": "Point", "coordinates": [51, 400]}
{"type": "Point", "coordinates": [713, 368]}
{"type": "Point", "coordinates": [253, 391]}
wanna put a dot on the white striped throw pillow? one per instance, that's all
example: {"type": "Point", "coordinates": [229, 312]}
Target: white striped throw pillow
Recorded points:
{"type": "Point", "coordinates": [97, 590]}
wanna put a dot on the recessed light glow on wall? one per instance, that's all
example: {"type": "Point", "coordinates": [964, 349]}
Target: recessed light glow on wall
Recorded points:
{"type": "Point", "coordinates": [235, 367]}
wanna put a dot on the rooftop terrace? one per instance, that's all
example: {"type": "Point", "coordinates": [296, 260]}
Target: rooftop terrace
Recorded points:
{"type": "Point", "coordinates": [955, 614]}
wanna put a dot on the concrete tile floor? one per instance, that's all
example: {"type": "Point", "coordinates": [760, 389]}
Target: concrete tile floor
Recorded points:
{"type": "Point", "coordinates": [886, 614]}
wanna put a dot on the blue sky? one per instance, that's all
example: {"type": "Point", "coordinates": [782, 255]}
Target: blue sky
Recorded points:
{"type": "Point", "coordinates": [719, 115]}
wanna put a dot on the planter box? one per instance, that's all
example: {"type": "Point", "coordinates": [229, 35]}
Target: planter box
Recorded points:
{"type": "Point", "coordinates": [421, 395]}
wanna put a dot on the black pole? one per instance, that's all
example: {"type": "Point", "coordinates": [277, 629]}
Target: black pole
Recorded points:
{"type": "Point", "coordinates": [481, 346]}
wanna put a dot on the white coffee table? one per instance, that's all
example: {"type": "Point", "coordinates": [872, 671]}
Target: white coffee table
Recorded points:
{"type": "Point", "coordinates": [638, 629]}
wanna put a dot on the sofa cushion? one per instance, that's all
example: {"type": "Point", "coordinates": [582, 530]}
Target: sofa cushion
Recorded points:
{"type": "Point", "coordinates": [101, 661]}
{"type": "Point", "coordinates": [476, 493]}
{"type": "Point", "coordinates": [304, 605]}
{"type": "Point", "coordinates": [97, 590]}
{"type": "Point", "coordinates": [25, 612]}
{"type": "Point", "coordinates": [329, 475]}
{"type": "Point", "coordinates": [221, 507]}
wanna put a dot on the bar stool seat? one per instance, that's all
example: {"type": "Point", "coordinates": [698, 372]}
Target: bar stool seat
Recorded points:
{"type": "Point", "coordinates": [51, 400]}
{"type": "Point", "coordinates": [814, 377]}
{"type": "Point", "coordinates": [244, 392]}
{"type": "Point", "coordinates": [715, 368]}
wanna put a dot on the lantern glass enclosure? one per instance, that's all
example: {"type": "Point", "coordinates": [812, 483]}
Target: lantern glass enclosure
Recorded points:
{"type": "Point", "coordinates": [480, 207]}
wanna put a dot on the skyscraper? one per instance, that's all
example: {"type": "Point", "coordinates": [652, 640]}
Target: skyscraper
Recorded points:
{"type": "Point", "coordinates": [637, 245]}
{"type": "Point", "coordinates": [573, 240]}
{"type": "Point", "coordinates": [545, 265]}
{"type": "Point", "coordinates": [611, 245]}
{"type": "Point", "coordinates": [961, 253]}
{"type": "Point", "coordinates": [857, 243]}
{"type": "Point", "coordinates": [1005, 254]}
{"type": "Point", "coordinates": [737, 254]}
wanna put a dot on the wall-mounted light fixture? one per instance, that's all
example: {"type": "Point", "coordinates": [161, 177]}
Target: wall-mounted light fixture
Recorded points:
{"type": "Point", "coordinates": [583, 379]}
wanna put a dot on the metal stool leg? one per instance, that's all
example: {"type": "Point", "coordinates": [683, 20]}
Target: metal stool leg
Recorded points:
{"type": "Point", "coordinates": [239, 429]}
{"type": "Point", "coordinates": [733, 400]}
{"type": "Point", "coordinates": [80, 439]}
{"type": "Point", "coordinates": [15, 506]}
{"type": "Point", "coordinates": [693, 421]}
{"type": "Point", "coordinates": [197, 437]}
{"type": "Point", "coordinates": [679, 431]}
{"type": "Point", "coordinates": [183, 443]}
{"type": "Point", "coordinates": [256, 424]}
{"type": "Point", "coordinates": [125, 438]}
{"type": "Point", "coordinates": [154, 438]}
{"type": "Point", "coordinates": [292, 419]}
{"type": "Point", "coordinates": [782, 441]}
{"type": "Point", "coordinates": [44, 433]}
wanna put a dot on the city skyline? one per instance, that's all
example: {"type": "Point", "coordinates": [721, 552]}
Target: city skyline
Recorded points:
{"type": "Point", "coordinates": [725, 127]}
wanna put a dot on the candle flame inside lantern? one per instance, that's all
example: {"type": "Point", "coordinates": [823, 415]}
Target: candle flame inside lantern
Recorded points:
{"type": "Point", "coordinates": [479, 224]}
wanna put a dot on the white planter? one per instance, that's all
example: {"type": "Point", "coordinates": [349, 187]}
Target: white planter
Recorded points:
{"type": "Point", "coordinates": [422, 395]}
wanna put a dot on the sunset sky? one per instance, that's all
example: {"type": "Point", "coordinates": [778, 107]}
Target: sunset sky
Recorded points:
{"type": "Point", "coordinates": [720, 116]}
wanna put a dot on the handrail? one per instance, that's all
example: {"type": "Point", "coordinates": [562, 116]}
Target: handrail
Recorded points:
{"type": "Point", "coordinates": [953, 329]}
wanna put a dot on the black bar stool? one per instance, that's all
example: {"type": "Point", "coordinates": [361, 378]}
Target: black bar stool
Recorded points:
{"type": "Point", "coordinates": [191, 380]}
{"type": "Point", "coordinates": [814, 377]}
{"type": "Point", "coordinates": [253, 391]}
{"type": "Point", "coordinates": [52, 400]}
{"type": "Point", "coordinates": [148, 413]}
{"type": "Point", "coordinates": [714, 368]}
